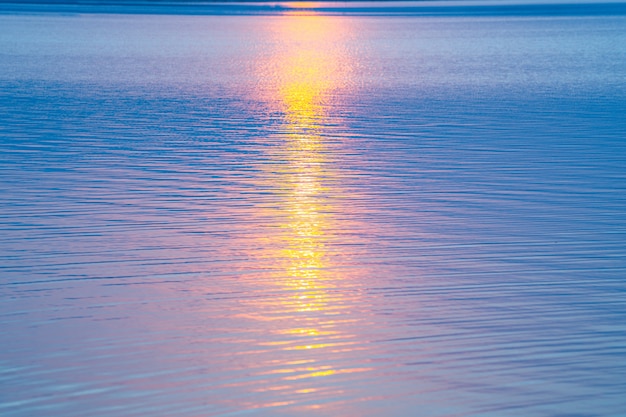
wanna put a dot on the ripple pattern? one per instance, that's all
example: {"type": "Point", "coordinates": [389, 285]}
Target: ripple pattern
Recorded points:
{"type": "Point", "coordinates": [314, 215]}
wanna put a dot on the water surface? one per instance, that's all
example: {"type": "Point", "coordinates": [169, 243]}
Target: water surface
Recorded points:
{"type": "Point", "coordinates": [309, 214]}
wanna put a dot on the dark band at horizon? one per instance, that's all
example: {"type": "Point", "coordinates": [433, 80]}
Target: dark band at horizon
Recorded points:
{"type": "Point", "coordinates": [426, 8]}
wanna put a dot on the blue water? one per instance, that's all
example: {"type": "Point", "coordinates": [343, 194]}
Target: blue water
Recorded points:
{"type": "Point", "coordinates": [299, 213]}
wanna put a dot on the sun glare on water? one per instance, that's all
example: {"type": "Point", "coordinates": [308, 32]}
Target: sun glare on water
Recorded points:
{"type": "Point", "coordinates": [301, 78]}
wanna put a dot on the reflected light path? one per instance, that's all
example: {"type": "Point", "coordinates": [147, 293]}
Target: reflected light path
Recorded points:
{"type": "Point", "coordinates": [313, 321]}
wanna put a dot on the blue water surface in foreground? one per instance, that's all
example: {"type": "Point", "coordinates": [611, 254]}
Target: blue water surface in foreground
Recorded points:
{"type": "Point", "coordinates": [302, 214]}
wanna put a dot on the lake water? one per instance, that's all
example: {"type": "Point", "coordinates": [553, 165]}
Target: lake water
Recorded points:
{"type": "Point", "coordinates": [313, 213]}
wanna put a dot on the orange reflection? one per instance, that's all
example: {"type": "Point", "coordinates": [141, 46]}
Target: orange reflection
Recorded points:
{"type": "Point", "coordinates": [303, 4]}
{"type": "Point", "coordinates": [307, 72]}
{"type": "Point", "coordinates": [301, 81]}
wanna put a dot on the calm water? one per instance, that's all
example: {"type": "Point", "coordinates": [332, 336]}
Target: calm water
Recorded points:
{"type": "Point", "coordinates": [303, 214]}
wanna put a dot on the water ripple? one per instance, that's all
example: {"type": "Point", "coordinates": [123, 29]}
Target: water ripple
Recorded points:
{"type": "Point", "coordinates": [313, 215]}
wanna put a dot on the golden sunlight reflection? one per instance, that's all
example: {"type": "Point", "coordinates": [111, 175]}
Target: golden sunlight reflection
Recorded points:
{"type": "Point", "coordinates": [300, 80]}
{"type": "Point", "coordinates": [306, 72]}
{"type": "Point", "coordinates": [303, 4]}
